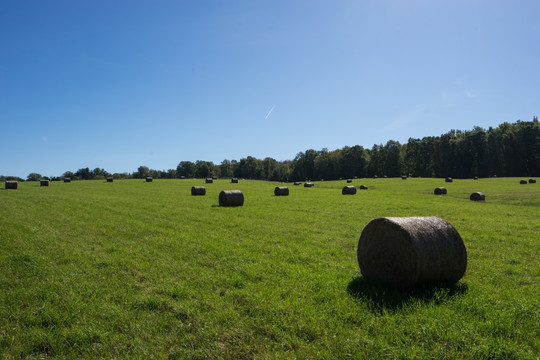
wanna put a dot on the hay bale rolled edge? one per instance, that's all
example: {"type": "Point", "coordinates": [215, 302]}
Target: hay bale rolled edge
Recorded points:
{"type": "Point", "coordinates": [281, 191]}
{"type": "Point", "coordinates": [449, 179]}
{"type": "Point", "coordinates": [308, 184]}
{"type": "Point", "coordinates": [209, 180]}
{"type": "Point", "coordinates": [477, 196]}
{"type": "Point", "coordinates": [297, 183]}
{"type": "Point", "coordinates": [523, 182]}
{"type": "Point", "coordinates": [363, 187]}
{"type": "Point", "coordinates": [348, 190]}
{"type": "Point", "coordinates": [532, 181]}
{"type": "Point", "coordinates": [198, 190]}
{"type": "Point", "coordinates": [231, 198]}
{"type": "Point", "coordinates": [12, 184]}
{"type": "Point", "coordinates": [411, 251]}
{"type": "Point", "coordinates": [440, 191]}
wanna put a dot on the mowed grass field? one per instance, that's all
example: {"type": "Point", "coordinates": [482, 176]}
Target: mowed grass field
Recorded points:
{"type": "Point", "coordinates": [131, 269]}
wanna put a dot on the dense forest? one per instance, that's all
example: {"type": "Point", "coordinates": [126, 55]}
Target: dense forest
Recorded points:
{"type": "Point", "coordinates": [508, 150]}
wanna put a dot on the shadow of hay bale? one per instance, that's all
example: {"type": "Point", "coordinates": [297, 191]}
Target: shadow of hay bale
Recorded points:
{"type": "Point", "coordinates": [380, 298]}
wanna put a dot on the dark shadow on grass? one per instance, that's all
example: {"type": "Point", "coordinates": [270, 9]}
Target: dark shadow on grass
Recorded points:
{"type": "Point", "coordinates": [383, 298]}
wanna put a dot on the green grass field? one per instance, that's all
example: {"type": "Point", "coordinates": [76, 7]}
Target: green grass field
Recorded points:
{"type": "Point", "coordinates": [131, 269]}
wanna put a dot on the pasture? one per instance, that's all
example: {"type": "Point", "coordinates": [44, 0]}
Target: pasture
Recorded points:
{"type": "Point", "coordinates": [136, 269]}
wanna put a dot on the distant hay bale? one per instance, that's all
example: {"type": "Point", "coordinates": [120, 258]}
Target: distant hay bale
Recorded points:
{"type": "Point", "coordinates": [234, 180]}
{"type": "Point", "coordinates": [214, 177]}
{"type": "Point", "coordinates": [44, 182]}
{"type": "Point", "coordinates": [281, 191]}
{"type": "Point", "coordinates": [532, 181]}
{"type": "Point", "coordinates": [12, 184]}
{"type": "Point", "coordinates": [67, 180]}
{"type": "Point", "coordinates": [385, 176]}
{"type": "Point", "coordinates": [477, 196]}
{"type": "Point", "coordinates": [182, 177]}
{"type": "Point", "coordinates": [297, 183]}
{"type": "Point", "coordinates": [356, 177]}
{"type": "Point", "coordinates": [231, 198]}
{"type": "Point", "coordinates": [349, 180]}
{"type": "Point", "coordinates": [375, 176]}
{"type": "Point", "coordinates": [523, 182]}
{"type": "Point", "coordinates": [403, 177]}
{"type": "Point", "coordinates": [448, 179]}
{"type": "Point", "coordinates": [363, 187]}
{"type": "Point", "coordinates": [308, 184]}
{"type": "Point", "coordinates": [110, 179]}
{"type": "Point", "coordinates": [209, 180]}
{"type": "Point", "coordinates": [440, 191]}
{"type": "Point", "coordinates": [348, 190]}
{"type": "Point", "coordinates": [407, 252]}
{"type": "Point", "coordinates": [198, 190]}
{"type": "Point", "coordinates": [149, 179]}
{"type": "Point", "coordinates": [475, 178]}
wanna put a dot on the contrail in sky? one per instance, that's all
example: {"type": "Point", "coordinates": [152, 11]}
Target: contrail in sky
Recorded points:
{"type": "Point", "coordinates": [267, 115]}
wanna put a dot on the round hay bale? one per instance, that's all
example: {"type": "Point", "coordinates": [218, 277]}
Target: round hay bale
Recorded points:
{"type": "Point", "coordinates": [214, 177]}
{"type": "Point", "coordinates": [477, 196]}
{"type": "Point", "coordinates": [448, 179]}
{"type": "Point", "coordinates": [149, 179]}
{"type": "Point", "coordinates": [406, 252]}
{"type": "Point", "coordinates": [308, 184]}
{"type": "Point", "coordinates": [385, 176]}
{"type": "Point", "coordinates": [44, 182]}
{"type": "Point", "coordinates": [12, 184]}
{"type": "Point", "coordinates": [356, 177]}
{"type": "Point", "coordinates": [349, 180]}
{"type": "Point", "coordinates": [281, 191]}
{"type": "Point", "coordinates": [198, 190]}
{"type": "Point", "coordinates": [475, 178]}
{"type": "Point", "coordinates": [209, 180]}
{"type": "Point", "coordinates": [348, 190]}
{"type": "Point", "coordinates": [532, 181]}
{"type": "Point", "coordinates": [297, 183]}
{"type": "Point", "coordinates": [375, 176]}
{"type": "Point", "coordinates": [67, 180]}
{"type": "Point", "coordinates": [110, 179]}
{"type": "Point", "coordinates": [403, 177]}
{"type": "Point", "coordinates": [234, 180]}
{"type": "Point", "coordinates": [231, 198]}
{"type": "Point", "coordinates": [182, 177]}
{"type": "Point", "coordinates": [363, 187]}
{"type": "Point", "coordinates": [523, 182]}
{"type": "Point", "coordinates": [440, 191]}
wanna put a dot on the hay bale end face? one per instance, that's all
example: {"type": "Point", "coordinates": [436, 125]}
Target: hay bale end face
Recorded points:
{"type": "Point", "coordinates": [477, 196]}
{"type": "Point", "coordinates": [44, 182]}
{"type": "Point", "coordinates": [67, 180]}
{"type": "Point", "coordinates": [308, 184]}
{"type": "Point", "coordinates": [231, 198]}
{"type": "Point", "coordinates": [363, 187]}
{"type": "Point", "coordinates": [209, 180]}
{"type": "Point", "coordinates": [234, 180]}
{"type": "Point", "coordinates": [281, 191]}
{"type": "Point", "coordinates": [348, 190]}
{"type": "Point", "coordinates": [448, 179]}
{"type": "Point", "coordinates": [198, 190]}
{"type": "Point", "coordinates": [11, 184]}
{"type": "Point", "coordinates": [109, 179]}
{"type": "Point", "coordinates": [532, 181]}
{"type": "Point", "coordinates": [523, 182]}
{"type": "Point", "coordinates": [440, 191]}
{"type": "Point", "coordinates": [407, 252]}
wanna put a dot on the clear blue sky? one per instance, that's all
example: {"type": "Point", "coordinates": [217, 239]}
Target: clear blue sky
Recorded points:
{"type": "Point", "coordinates": [119, 84]}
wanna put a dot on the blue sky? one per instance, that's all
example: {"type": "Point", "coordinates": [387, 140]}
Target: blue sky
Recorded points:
{"type": "Point", "coordinates": [119, 84]}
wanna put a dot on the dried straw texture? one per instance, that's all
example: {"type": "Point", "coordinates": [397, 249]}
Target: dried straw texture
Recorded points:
{"type": "Point", "coordinates": [440, 191]}
{"type": "Point", "coordinates": [532, 181]}
{"type": "Point", "coordinates": [449, 179]}
{"type": "Point", "coordinates": [43, 182]}
{"type": "Point", "coordinates": [349, 181]}
{"type": "Point", "coordinates": [281, 191]}
{"type": "Point", "coordinates": [363, 187]}
{"type": "Point", "coordinates": [198, 190]}
{"type": "Point", "coordinates": [297, 183]}
{"type": "Point", "coordinates": [110, 179]}
{"type": "Point", "coordinates": [308, 184]}
{"type": "Point", "coordinates": [11, 184]}
{"type": "Point", "coordinates": [149, 179]}
{"type": "Point", "coordinates": [231, 198]}
{"type": "Point", "coordinates": [348, 190]}
{"type": "Point", "coordinates": [407, 252]}
{"type": "Point", "coordinates": [477, 196]}
{"type": "Point", "coordinates": [66, 180]}
{"type": "Point", "coordinates": [523, 182]}
{"type": "Point", "coordinates": [209, 180]}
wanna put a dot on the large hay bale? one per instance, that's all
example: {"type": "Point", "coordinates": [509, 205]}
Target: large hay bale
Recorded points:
{"type": "Point", "coordinates": [297, 183]}
{"type": "Point", "coordinates": [234, 180]}
{"type": "Point", "coordinates": [110, 179]}
{"type": "Point", "coordinates": [12, 184]}
{"type": "Point", "coordinates": [532, 181]}
{"type": "Point", "coordinates": [523, 182]}
{"type": "Point", "coordinates": [403, 177]}
{"type": "Point", "coordinates": [349, 180]}
{"type": "Point", "coordinates": [44, 182]}
{"type": "Point", "coordinates": [149, 179]}
{"type": "Point", "coordinates": [363, 187]}
{"type": "Point", "coordinates": [209, 180]}
{"type": "Point", "coordinates": [67, 180]}
{"type": "Point", "coordinates": [406, 252]}
{"type": "Point", "coordinates": [448, 179]}
{"type": "Point", "coordinates": [231, 198]}
{"type": "Point", "coordinates": [308, 184]}
{"type": "Point", "coordinates": [348, 190]}
{"type": "Point", "coordinates": [440, 191]}
{"type": "Point", "coordinates": [477, 196]}
{"type": "Point", "coordinates": [198, 190]}
{"type": "Point", "coordinates": [281, 191]}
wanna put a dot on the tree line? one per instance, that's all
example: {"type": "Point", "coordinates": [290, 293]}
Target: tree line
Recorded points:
{"type": "Point", "coordinates": [511, 149]}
